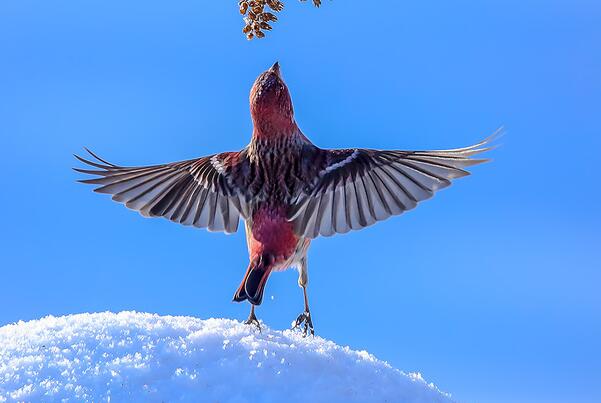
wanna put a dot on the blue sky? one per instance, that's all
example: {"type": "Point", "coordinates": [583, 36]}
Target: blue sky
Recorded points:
{"type": "Point", "coordinates": [491, 289]}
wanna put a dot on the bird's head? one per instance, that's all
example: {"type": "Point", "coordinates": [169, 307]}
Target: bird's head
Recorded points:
{"type": "Point", "coordinates": [270, 102]}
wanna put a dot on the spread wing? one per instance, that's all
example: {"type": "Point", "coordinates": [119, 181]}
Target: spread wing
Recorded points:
{"type": "Point", "coordinates": [194, 192]}
{"type": "Point", "coordinates": [356, 188]}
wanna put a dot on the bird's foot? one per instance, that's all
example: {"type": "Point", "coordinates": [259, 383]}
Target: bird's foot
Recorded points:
{"type": "Point", "coordinates": [304, 321]}
{"type": "Point", "coordinates": [252, 320]}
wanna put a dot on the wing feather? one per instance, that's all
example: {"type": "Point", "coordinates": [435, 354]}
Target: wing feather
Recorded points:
{"type": "Point", "coordinates": [356, 188]}
{"type": "Point", "coordinates": [193, 192]}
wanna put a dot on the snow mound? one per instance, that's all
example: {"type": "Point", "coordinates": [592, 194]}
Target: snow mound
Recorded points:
{"type": "Point", "coordinates": [133, 356]}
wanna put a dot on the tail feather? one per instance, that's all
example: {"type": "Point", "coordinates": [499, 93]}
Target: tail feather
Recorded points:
{"type": "Point", "coordinates": [253, 284]}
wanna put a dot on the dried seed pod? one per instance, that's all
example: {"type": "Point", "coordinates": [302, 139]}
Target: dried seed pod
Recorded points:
{"type": "Point", "coordinates": [269, 17]}
{"type": "Point", "coordinates": [257, 19]}
{"type": "Point", "coordinates": [275, 5]}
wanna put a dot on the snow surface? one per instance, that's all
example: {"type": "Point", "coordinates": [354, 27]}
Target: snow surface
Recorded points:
{"type": "Point", "coordinates": [133, 356]}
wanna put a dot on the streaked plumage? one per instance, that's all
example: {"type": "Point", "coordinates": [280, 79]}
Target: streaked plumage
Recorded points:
{"type": "Point", "coordinates": [287, 190]}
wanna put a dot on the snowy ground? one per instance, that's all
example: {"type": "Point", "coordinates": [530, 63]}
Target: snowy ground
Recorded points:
{"type": "Point", "coordinates": [133, 356]}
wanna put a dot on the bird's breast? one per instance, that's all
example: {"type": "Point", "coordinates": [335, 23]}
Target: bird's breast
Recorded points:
{"type": "Point", "coordinates": [279, 169]}
{"type": "Point", "coordinates": [270, 232]}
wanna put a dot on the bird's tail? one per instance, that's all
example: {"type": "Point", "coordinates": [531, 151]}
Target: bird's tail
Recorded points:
{"type": "Point", "coordinates": [253, 284]}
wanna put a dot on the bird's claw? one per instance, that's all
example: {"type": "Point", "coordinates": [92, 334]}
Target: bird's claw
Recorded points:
{"type": "Point", "coordinates": [304, 320]}
{"type": "Point", "coordinates": [252, 320]}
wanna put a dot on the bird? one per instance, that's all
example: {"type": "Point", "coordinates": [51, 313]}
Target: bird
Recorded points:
{"type": "Point", "coordinates": [287, 190]}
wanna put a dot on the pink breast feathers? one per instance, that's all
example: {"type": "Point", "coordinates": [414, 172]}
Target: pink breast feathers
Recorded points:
{"type": "Point", "coordinates": [271, 233]}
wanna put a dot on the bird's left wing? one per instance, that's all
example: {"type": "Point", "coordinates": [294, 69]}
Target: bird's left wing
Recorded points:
{"type": "Point", "coordinates": [195, 192]}
{"type": "Point", "coordinates": [355, 188]}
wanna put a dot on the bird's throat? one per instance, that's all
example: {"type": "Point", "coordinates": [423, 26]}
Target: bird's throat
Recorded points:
{"type": "Point", "coordinates": [273, 127]}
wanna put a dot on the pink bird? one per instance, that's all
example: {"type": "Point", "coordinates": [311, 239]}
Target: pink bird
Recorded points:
{"type": "Point", "coordinates": [287, 190]}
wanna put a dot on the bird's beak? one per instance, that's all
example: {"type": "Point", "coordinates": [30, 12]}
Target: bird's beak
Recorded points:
{"type": "Point", "coordinates": [275, 68]}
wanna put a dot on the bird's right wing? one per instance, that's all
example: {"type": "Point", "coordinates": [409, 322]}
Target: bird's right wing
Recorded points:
{"type": "Point", "coordinates": [356, 188]}
{"type": "Point", "coordinates": [195, 192]}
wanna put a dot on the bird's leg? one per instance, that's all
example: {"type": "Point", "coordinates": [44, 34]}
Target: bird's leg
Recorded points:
{"type": "Point", "coordinates": [252, 318]}
{"type": "Point", "coordinates": [304, 319]}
